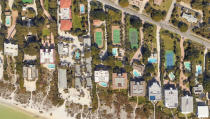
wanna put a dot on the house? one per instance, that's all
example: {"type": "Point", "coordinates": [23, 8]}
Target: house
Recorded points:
{"type": "Point", "coordinates": [189, 17]}
{"type": "Point", "coordinates": [1, 68]}
{"type": "Point", "coordinates": [47, 56]}
{"type": "Point", "coordinates": [62, 79]}
{"type": "Point", "coordinates": [137, 3]}
{"type": "Point", "coordinates": [101, 77]}
{"type": "Point", "coordinates": [77, 71]}
{"type": "Point", "coordinates": [30, 72]}
{"type": "Point", "coordinates": [119, 81]}
{"type": "Point", "coordinates": [10, 49]}
{"type": "Point", "coordinates": [78, 83]}
{"type": "Point", "coordinates": [158, 2]}
{"type": "Point", "coordinates": [87, 42]}
{"type": "Point", "coordinates": [155, 93]}
{"type": "Point", "coordinates": [65, 15]}
{"type": "Point", "coordinates": [88, 66]}
{"type": "Point", "coordinates": [138, 70]}
{"type": "Point", "coordinates": [63, 49]}
{"type": "Point", "coordinates": [203, 112]}
{"type": "Point", "coordinates": [171, 97]}
{"type": "Point", "coordinates": [137, 88]}
{"type": "Point", "coordinates": [198, 89]}
{"type": "Point", "coordinates": [187, 104]}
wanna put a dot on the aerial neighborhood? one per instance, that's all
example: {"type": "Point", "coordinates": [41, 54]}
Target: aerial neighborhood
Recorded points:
{"type": "Point", "coordinates": [105, 59]}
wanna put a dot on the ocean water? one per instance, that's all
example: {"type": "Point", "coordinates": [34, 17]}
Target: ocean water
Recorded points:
{"type": "Point", "coordinates": [12, 113]}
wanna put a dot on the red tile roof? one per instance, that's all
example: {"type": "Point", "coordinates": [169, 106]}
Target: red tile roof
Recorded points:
{"type": "Point", "coordinates": [65, 25]}
{"type": "Point", "coordinates": [65, 3]}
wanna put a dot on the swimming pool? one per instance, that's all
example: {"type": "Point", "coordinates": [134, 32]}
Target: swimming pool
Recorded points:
{"type": "Point", "coordinates": [51, 66]}
{"type": "Point", "coordinates": [187, 65]}
{"type": "Point", "coordinates": [82, 9]}
{"type": "Point", "coordinates": [103, 84]}
{"type": "Point", "coordinates": [198, 70]}
{"type": "Point", "coordinates": [77, 55]}
{"type": "Point", "coordinates": [136, 73]}
{"type": "Point", "coordinates": [152, 60]}
{"type": "Point", "coordinates": [8, 22]}
{"type": "Point", "coordinates": [114, 52]}
{"type": "Point", "coordinates": [171, 76]}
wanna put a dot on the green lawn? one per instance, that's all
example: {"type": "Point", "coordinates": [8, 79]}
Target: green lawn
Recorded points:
{"type": "Point", "coordinates": [76, 20]}
{"type": "Point", "coordinates": [133, 37]}
{"type": "Point", "coordinates": [27, 1]}
{"type": "Point", "coordinates": [46, 4]}
{"type": "Point", "coordinates": [45, 32]}
{"type": "Point", "coordinates": [99, 38]}
{"type": "Point", "coordinates": [116, 36]}
{"type": "Point", "coordinates": [165, 5]}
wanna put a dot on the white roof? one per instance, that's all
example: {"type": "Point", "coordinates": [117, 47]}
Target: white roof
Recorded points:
{"type": "Point", "coordinates": [10, 49]}
{"type": "Point", "coordinates": [65, 13]}
{"type": "Point", "coordinates": [171, 98]}
{"type": "Point", "coordinates": [62, 79]}
{"type": "Point", "coordinates": [47, 56]}
{"type": "Point", "coordinates": [190, 18]}
{"type": "Point", "coordinates": [155, 92]}
{"type": "Point", "coordinates": [186, 104]}
{"type": "Point", "coordinates": [203, 111]}
{"type": "Point", "coordinates": [101, 76]}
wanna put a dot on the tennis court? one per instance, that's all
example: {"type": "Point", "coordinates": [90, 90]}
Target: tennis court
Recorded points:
{"type": "Point", "coordinates": [170, 59]}
{"type": "Point", "coordinates": [116, 35]}
{"type": "Point", "coordinates": [133, 37]}
{"type": "Point", "coordinates": [99, 37]}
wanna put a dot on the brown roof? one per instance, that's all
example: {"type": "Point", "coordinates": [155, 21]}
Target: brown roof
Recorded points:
{"type": "Point", "coordinates": [65, 3]}
{"type": "Point", "coordinates": [119, 81]}
{"type": "Point", "coordinates": [97, 22]}
{"type": "Point", "coordinates": [66, 25]}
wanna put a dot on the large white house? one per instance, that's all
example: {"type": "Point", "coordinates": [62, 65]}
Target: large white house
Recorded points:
{"type": "Point", "coordinates": [171, 97]}
{"type": "Point", "coordinates": [10, 49]}
{"type": "Point", "coordinates": [186, 104]}
{"type": "Point", "coordinates": [102, 77]}
{"type": "Point", "coordinates": [155, 93]}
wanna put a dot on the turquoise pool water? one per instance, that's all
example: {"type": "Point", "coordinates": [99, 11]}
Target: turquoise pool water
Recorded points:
{"type": "Point", "coordinates": [82, 9]}
{"type": "Point", "coordinates": [187, 65]}
{"type": "Point", "coordinates": [8, 20]}
{"type": "Point", "coordinates": [136, 73]}
{"type": "Point", "coordinates": [51, 66]}
{"type": "Point", "coordinates": [103, 84]}
{"type": "Point", "coordinates": [114, 51]}
{"type": "Point", "coordinates": [152, 60]}
{"type": "Point", "coordinates": [77, 55]}
{"type": "Point", "coordinates": [198, 70]}
{"type": "Point", "coordinates": [171, 76]}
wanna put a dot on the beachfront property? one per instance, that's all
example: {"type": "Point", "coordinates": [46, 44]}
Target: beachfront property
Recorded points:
{"type": "Point", "coordinates": [133, 38]}
{"type": "Point", "coordinates": [138, 70]}
{"type": "Point", "coordinates": [171, 97]}
{"type": "Point", "coordinates": [8, 19]}
{"type": "Point", "coordinates": [137, 88]}
{"type": "Point", "coordinates": [137, 3]}
{"type": "Point", "coordinates": [189, 17]}
{"type": "Point", "coordinates": [62, 79]}
{"type": "Point", "coordinates": [78, 83]}
{"type": "Point", "coordinates": [187, 104]}
{"type": "Point", "coordinates": [10, 49]}
{"type": "Point", "coordinates": [88, 66]}
{"type": "Point", "coordinates": [63, 49]}
{"type": "Point", "coordinates": [82, 9]}
{"type": "Point", "coordinates": [47, 55]}
{"type": "Point", "coordinates": [197, 90]}
{"type": "Point", "coordinates": [30, 72]}
{"type": "Point", "coordinates": [1, 68]}
{"type": "Point", "coordinates": [89, 82]}
{"type": "Point", "coordinates": [158, 2]}
{"type": "Point", "coordinates": [77, 71]}
{"type": "Point", "coordinates": [155, 93]}
{"type": "Point", "coordinates": [98, 37]}
{"type": "Point", "coordinates": [119, 81]}
{"type": "Point", "coordinates": [116, 35]}
{"type": "Point", "coordinates": [203, 111]}
{"type": "Point", "coordinates": [65, 15]}
{"type": "Point", "coordinates": [101, 77]}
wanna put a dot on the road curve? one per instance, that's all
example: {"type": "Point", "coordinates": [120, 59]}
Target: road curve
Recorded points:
{"type": "Point", "coordinates": [162, 24]}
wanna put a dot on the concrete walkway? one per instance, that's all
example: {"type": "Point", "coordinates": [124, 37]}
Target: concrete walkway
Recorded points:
{"type": "Point", "coordinates": [168, 16]}
{"type": "Point", "coordinates": [158, 52]}
{"type": "Point", "coordinates": [45, 11]}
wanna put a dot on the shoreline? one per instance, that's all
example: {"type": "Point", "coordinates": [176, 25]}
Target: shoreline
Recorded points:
{"type": "Point", "coordinates": [28, 111]}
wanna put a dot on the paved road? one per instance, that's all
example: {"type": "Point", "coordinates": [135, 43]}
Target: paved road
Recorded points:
{"type": "Point", "coordinates": [162, 24]}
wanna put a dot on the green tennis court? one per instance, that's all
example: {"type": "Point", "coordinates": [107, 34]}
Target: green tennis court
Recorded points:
{"type": "Point", "coordinates": [133, 37]}
{"type": "Point", "coordinates": [116, 36]}
{"type": "Point", "coordinates": [98, 36]}
{"type": "Point", "coordinates": [27, 1]}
